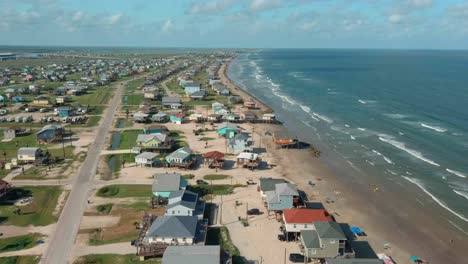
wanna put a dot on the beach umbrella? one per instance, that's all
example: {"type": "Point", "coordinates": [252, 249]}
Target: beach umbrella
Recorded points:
{"type": "Point", "coordinates": [414, 258]}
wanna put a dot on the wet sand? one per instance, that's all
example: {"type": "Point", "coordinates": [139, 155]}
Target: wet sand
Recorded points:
{"type": "Point", "coordinates": [385, 214]}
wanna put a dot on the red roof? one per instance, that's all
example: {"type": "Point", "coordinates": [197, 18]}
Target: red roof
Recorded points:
{"type": "Point", "coordinates": [304, 215]}
{"type": "Point", "coordinates": [213, 154]}
{"type": "Point", "coordinates": [179, 115]}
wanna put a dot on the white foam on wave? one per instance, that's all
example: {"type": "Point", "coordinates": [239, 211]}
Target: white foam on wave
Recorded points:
{"type": "Point", "coordinates": [346, 125]}
{"type": "Point", "coordinates": [362, 129]}
{"type": "Point", "coordinates": [322, 117]}
{"type": "Point", "coordinates": [362, 101]}
{"type": "Point", "coordinates": [396, 116]}
{"type": "Point", "coordinates": [306, 123]}
{"type": "Point", "coordinates": [464, 194]}
{"type": "Point", "coordinates": [421, 186]}
{"type": "Point", "coordinates": [389, 161]}
{"type": "Point", "coordinates": [457, 173]}
{"type": "Point", "coordinates": [412, 152]}
{"type": "Point", "coordinates": [371, 163]}
{"type": "Point", "coordinates": [353, 138]}
{"type": "Point", "coordinates": [435, 128]}
{"type": "Point", "coordinates": [366, 101]}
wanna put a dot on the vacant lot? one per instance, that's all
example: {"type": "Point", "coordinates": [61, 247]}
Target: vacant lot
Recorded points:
{"type": "Point", "coordinates": [128, 138]}
{"type": "Point", "coordinates": [114, 259]}
{"type": "Point", "coordinates": [95, 96]}
{"type": "Point", "coordinates": [124, 191]}
{"type": "Point", "coordinates": [20, 260]}
{"type": "Point", "coordinates": [19, 242]}
{"type": "Point", "coordinates": [39, 212]}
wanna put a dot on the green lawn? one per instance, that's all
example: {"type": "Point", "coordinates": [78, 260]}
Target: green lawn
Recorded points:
{"type": "Point", "coordinates": [127, 157]}
{"type": "Point", "coordinates": [95, 96]}
{"type": "Point", "coordinates": [220, 236]}
{"type": "Point", "coordinates": [20, 260]}
{"type": "Point", "coordinates": [114, 259]}
{"type": "Point", "coordinates": [128, 138]}
{"type": "Point", "coordinates": [174, 87]}
{"type": "Point", "coordinates": [38, 213]}
{"type": "Point", "coordinates": [135, 84]}
{"type": "Point", "coordinates": [19, 242]}
{"type": "Point", "coordinates": [132, 99]}
{"type": "Point", "coordinates": [122, 123]}
{"type": "Point", "coordinates": [215, 189]}
{"type": "Point", "coordinates": [124, 191]}
{"type": "Point", "coordinates": [10, 147]}
{"type": "Point", "coordinates": [216, 177]}
{"type": "Point", "coordinates": [104, 208]}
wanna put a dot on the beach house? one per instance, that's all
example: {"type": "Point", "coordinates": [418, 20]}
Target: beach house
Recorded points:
{"type": "Point", "coordinates": [184, 202]}
{"type": "Point", "coordinates": [269, 184]}
{"type": "Point", "coordinates": [192, 255]}
{"type": "Point", "coordinates": [41, 101]}
{"type": "Point", "coordinates": [248, 160]}
{"type": "Point", "coordinates": [166, 183]}
{"type": "Point", "coordinates": [227, 130]}
{"type": "Point", "coordinates": [297, 219]}
{"type": "Point", "coordinates": [50, 133]}
{"type": "Point", "coordinates": [284, 196]}
{"type": "Point", "coordinates": [192, 87]}
{"type": "Point", "coordinates": [183, 157]}
{"type": "Point", "coordinates": [173, 102]}
{"type": "Point", "coordinates": [154, 142]}
{"type": "Point", "coordinates": [32, 155]}
{"type": "Point", "coordinates": [250, 104]}
{"type": "Point", "coordinates": [327, 240]}
{"type": "Point", "coordinates": [213, 159]}
{"type": "Point", "coordinates": [216, 106]}
{"type": "Point", "coordinates": [174, 230]}
{"type": "Point", "coordinates": [283, 138]}
{"type": "Point", "coordinates": [177, 118]}
{"type": "Point", "coordinates": [160, 117]}
{"type": "Point", "coordinates": [146, 159]}
{"type": "Point", "coordinates": [239, 143]}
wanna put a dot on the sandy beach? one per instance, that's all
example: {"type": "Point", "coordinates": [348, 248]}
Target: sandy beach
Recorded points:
{"type": "Point", "coordinates": [384, 216]}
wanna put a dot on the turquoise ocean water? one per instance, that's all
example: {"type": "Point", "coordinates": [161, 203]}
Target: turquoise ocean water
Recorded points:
{"type": "Point", "coordinates": [401, 116]}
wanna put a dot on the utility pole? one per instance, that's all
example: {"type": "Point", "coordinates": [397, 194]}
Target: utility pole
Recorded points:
{"type": "Point", "coordinates": [70, 133]}
{"type": "Point", "coordinates": [63, 146]}
{"type": "Point", "coordinates": [221, 211]}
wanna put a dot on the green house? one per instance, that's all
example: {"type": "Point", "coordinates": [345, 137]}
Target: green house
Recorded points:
{"type": "Point", "coordinates": [227, 130]}
{"type": "Point", "coordinates": [326, 241]}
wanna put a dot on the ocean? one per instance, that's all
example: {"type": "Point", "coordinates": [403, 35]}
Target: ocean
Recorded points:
{"type": "Point", "coordinates": [398, 116]}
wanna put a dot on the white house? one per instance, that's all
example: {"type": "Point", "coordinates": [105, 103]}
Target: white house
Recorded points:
{"type": "Point", "coordinates": [183, 203]}
{"type": "Point", "coordinates": [146, 159]}
{"type": "Point", "coordinates": [297, 219]}
{"type": "Point", "coordinates": [170, 229]}
{"type": "Point", "coordinates": [29, 154]}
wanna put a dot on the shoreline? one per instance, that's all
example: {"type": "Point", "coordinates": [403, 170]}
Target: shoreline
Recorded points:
{"type": "Point", "coordinates": [395, 222]}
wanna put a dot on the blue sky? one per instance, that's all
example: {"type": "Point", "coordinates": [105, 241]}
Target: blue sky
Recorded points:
{"type": "Point", "coordinates": [435, 24]}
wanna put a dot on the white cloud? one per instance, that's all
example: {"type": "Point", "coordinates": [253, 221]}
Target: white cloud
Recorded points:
{"type": "Point", "coordinates": [395, 18]}
{"type": "Point", "coordinates": [114, 19]}
{"type": "Point", "coordinates": [167, 26]}
{"type": "Point", "coordinates": [421, 3]}
{"type": "Point", "coordinates": [262, 5]}
{"type": "Point", "coordinates": [212, 7]}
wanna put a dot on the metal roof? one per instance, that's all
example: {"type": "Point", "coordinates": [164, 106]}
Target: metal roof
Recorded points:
{"type": "Point", "coordinates": [192, 255]}
{"type": "Point", "coordinates": [174, 227]}
{"type": "Point", "coordinates": [167, 182]}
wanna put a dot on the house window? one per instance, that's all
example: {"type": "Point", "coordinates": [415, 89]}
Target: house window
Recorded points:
{"type": "Point", "coordinates": [332, 241]}
{"type": "Point", "coordinates": [188, 212]}
{"type": "Point", "coordinates": [313, 251]}
{"type": "Point", "coordinates": [173, 211]}
{"type": "Point", "coordinates": [294, 225]}
{"type": "Point", "coordinates": [305, 226]}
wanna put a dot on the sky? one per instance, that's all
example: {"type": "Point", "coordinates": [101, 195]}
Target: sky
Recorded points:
{"type": "Point", "coordinates": [402, 24]}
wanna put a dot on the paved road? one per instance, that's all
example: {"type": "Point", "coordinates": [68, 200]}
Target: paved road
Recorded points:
{"type": "Point", "coordinates": [61, 244]}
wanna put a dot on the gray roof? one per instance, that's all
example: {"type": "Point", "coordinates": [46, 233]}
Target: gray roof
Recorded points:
{"type": "Point", "coordinates": [286, 189]}
{"type": "Point", "coordinates": [192, 254]}
{"type": "Point", "coordinates": [166, 182]}
{"type": "Point", "coordinates": [160, 137]}
{"type": "Point", "coordinates": [171, 100]}
{"type": "Point", "coordinates": [198, 93]}
{"type": "Point", "coordinates": [271, 197]}
{"type": "Point", "coordinates": [192, 84]}
{"type": "Point", "coordinates": [268, 184]}
{"type": "Point", "coordinates": [183, 197]}
{"type": "Point", "coordinates": [50, 127]}
{"type": "Point", "coordinates": [329, 230]}
{"type": "Point", "coordinates": [173, 226]}
{"type": "Point", "coordinates": [354, 261]}
{"type": "Point", "coordinates": [310, 239]}
{"type": "Point", "coordinates": [181, 153]}
{"type": "Point", "coordinates": [146, 155]}
{"type": "Point", "coordinates": [27, 151]}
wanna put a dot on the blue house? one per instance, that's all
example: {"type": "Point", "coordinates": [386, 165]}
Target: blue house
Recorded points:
{"type": "Point", "coordinates": [183, 157]}
{"type": "Point", "coordinates": [238, 143]}
{"type": "Point", "coordinates": [284, 196]}
{"type": "Point", "coordinates": [227, 130]}
{"type": "Point", "coordinates": [18, 99]}
{"type": "Point", "coordinates": [192, 87]}
{"type": "Point", "coordinates": [65, 111]}
{"type": "Point", "coordinates": [177, 118]}
{"type": "Point", "coordinates": [50, 133]}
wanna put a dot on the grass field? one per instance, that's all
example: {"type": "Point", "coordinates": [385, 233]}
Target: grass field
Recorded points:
{"type": "Point", "coordinates": [104, 208]}
{"type": "Point", "coordinates": [19, 242]}
{"type": "Point", "coordinates": [114, 259]}
{"type": "Point", "coordinates": [10, 147]}
{"type": "Point", "coordinates": [124, 191]}
{"type": "Point", "coordinates": [215, 189]}
{"type": "Point", "coordinates": [122, 123]}
{"type": "Point", "coordinates": [128, 138]}
{"type": "Point", "coordinates": [132, 99]}
{"type": "Point", "coordinates": [216, 177]}
{"type": "Point", "coordinates": [174, 87]}
{"type": "Point", "coordinates": [220, 236]}
{"type": "Point", "coordinates": [38, 213]}
{"type": "Point", "coordinates": [95, 96]}
{"type": "Point", "coordinates": [135, 84]}
{"type": "Point", "coordinates": [20, 260]}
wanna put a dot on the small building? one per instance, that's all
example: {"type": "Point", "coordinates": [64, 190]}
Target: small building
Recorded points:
{"type": "Point", "coordinates": [284, 196]}
{"type": "Point", "coordinates": [239, 143]}
{"type": "Point", "coordinates": [248, 160]}
{"type": "Point", "coordinates": [268, 185]}
{"type": "Point", "coordinates": [184, 202]}
{"type": "Point", "coordinates": [213, 159]}
{"type": "Point", "coordinates": [249, 116]}
{"type": "Point", "coordinates": [140, 117]}
{"type": "Point", "coordinates": [232, 117]}
{"type": "Point", "coordinates": [215, 118]}
{"type": "Point", "coordinates": [177, 118]}
{"type": "Point", "coordinates": [166, 183]}
{"type": "Point", "coordinates": [192, 255]}
{"type": "Point", "coordinates": [199, 95]}
{"type": "Point", "coordinates": [227, 130]}
{"type": "Point", "coordinates": [61, 99]}
{"type": "Point", "coordinates": [13, 132]}
{"type": "Point", "coordinates": [50, 133]}
{"type": "Point", "coordinates": [269, 117]}
{"type": "Point", "coordinates": [217, 106]}
{"type": "Point", "coordinates": [156, 141]}
{"type": "Point", "coordinates": [250, 104]}
{"type": "Point", "coordinates": [151, 95]}
{"type": "Point", "coordinates": [297, 219]}
{"type": "Point", "coordinates": [29, 154]}
{"type": "Point", "coordinates": [173, 102]}
{"type": "Point", "coordinates": [160, 117]}
{"type": "Point", "coordinates": [327, 240]}
{"type": "Point", "coordinates": [41, 101]}
{"type": "Point", "coordinates": [17, 99]}
{"type": "Point", "coordinates": [65, 111]}
{"type": "Point", "coordinates": [146, 159]}
{"type": "Point", "coordinates": [183, 157]}
{"type": "Point", "coordinates": [173, 230]}
{"type": "Point", "coordinates": [283, 138]}
{"type": "Point", "coordinates": [5, 187]}
{"type": "Point", "coordinates": [197, 117]}
{"type": "Point", "coordinates": [192, 87]}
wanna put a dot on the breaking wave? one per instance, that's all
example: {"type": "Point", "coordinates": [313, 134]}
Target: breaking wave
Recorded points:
{"type": "Point", "coordinates": [457, 173]}
{"type": "Point", "coordinates": [415, 181]}
{"type": "Point", "coordinates": [403, 147]}
{"type": "Point", "coordinates": [464, 194]}
{"type": "Point", "coordinates": [389, 161]}
{"type": "Point", "coordinates": [435, 128]}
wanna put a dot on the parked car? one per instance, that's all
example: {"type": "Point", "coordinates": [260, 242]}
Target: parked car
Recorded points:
{"type": "Point", "coordinates": [201, 182]}
{"type": "Point", "coordinates": [296, 258]}
{"type": "Point", "coordinates": [253, 211]}
{"type": "Point", "coordinates": [281, 237]}
{"type": "Point", "coordinates": [251, 182]}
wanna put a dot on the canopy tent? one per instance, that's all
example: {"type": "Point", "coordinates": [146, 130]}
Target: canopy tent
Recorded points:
{"type": "Point", "coordinates": [356, 230]}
